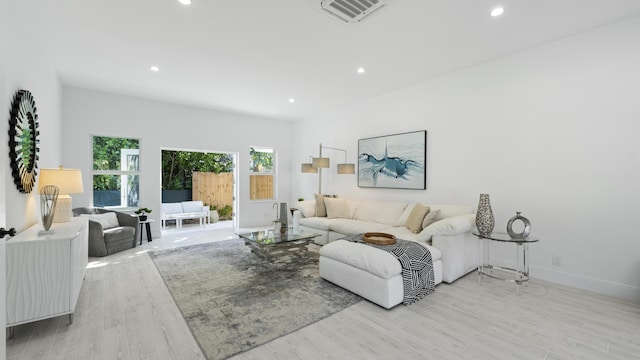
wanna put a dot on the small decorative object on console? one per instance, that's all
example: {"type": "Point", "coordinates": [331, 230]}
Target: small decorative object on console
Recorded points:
{"type": "Point", "coordinates": [48, 200]}
{"type": "Point", "coordinates": [525, 232]}
{"type": "Point", "coordinates": [484, 216]}
{"type": "Point", "coordinates": [378, 238]}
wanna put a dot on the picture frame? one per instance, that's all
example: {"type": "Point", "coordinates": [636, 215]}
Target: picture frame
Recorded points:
{"type": "Point", "coordinates": [397, 161]}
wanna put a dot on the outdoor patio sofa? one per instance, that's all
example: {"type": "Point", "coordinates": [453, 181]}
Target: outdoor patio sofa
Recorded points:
{"type": "Point", "coordinates": [180, 211]}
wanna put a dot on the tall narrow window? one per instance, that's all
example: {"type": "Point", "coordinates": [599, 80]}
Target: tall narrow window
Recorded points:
{"type": "Point", "coordinates": [262, 176]}
{"type": "Point", "coordinates": [116, 172]}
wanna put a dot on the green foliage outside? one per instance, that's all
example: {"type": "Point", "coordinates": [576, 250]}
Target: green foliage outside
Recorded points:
{"type": "Point", "coordinates": [224, 213]}
{"type": "Point", "coordinates": [178, 166]}
{"type": "Point", "coordinates": [106, 156]}
{"type": "Point", "coordinates": [261, 160]}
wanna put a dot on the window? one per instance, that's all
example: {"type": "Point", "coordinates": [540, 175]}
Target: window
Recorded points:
{"type": "Point", "coordinates": [262, 176]}
{"type": "Point", "coordinates": [116, 172]}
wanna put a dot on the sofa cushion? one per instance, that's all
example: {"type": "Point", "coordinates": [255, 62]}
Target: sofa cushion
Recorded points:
{"type": "Point", "coordinates": [350, 226]}
{"type": "Point", "coordinates": [361, 256]}
{"type": "Point", "coordinates": [171, 208]}
{"type": "Point", "coordinates": [353, 207]}
{"type": "Point", "coordinates": [383, 212]}
{"type": "Point", "coordinates": [192, 206]}
{"type": "Point", "coordinates": [414, 221]}
{"type": "Point", "coordinates": [119, 233]}
{"type": "Point", "coordinates": [120, 245]}
{"type": "Point", "coordinates": [436, 254]}
{"type": "Point", "coordinates": [307, 208]}
{"type": "Point", "coordinates": [108, 220]}
{"type": "Point", "coordinates": [449, 226]}
{"type": "Point", "coordinates": [403, 233]}
{"type": "Point", "coordinates": [337, 208]}
{"type": "Point", "coordinates": [447, 210]}
{"type": "Point", "coordinates": [320, 223]}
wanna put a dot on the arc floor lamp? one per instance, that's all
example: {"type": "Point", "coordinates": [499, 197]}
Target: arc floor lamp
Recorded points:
{"type": "Point", "coordinates": [318, 163]}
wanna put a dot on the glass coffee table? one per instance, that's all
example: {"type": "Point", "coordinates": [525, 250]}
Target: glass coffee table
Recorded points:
{"type": "Point", "coordinates": [267, 244]}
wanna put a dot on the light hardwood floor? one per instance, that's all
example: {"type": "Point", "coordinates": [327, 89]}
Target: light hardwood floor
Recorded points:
{"type": "Point", "coordinates": [126, 312]}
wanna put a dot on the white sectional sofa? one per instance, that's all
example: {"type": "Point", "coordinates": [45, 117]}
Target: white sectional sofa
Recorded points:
{"type": "Point", "coordinates": [184, 210]}
{"type": "Point", "coordinates": [373, 273]}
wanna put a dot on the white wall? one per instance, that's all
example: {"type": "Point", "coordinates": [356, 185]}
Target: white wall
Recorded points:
{"type": "Point", "coordinates": [4, 165]}
{"type": "Point", "coordinates": [161, 125]}
{"type": "Point", "coordinates": [28, 68]}
{"type": "Point", "coordinates": [552, 132]}
{"type": "Point", "coordinates": [23, 65]}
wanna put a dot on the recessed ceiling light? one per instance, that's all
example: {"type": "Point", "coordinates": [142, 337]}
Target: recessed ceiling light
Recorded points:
{"type": "Point", "coordinates": [497, 11]}
{"type": "Point", "coordinates": [292, 100]}
{"type": "Point", "coordinates": [154, 68]}
{"type": "Point", "coordinates": [185, 2]}
{"type": "Point", "coordinates": [360, 70]}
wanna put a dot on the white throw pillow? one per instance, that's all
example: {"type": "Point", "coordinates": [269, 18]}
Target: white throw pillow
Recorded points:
{"type": "Point", "coordinates": [307, 208]}
{"type": "Point", "coordinates": [432, 216]}
{"type": "Point", "coordinates": [321, 209]}
{"type": "Point", "coordinates": [402, 220]}
{"type": "Point", "coordinates": [449, 226]}
{"type": "Point", "coordinates": [337, 208]}
{"type": "Point", "coordinates": [107, 220]}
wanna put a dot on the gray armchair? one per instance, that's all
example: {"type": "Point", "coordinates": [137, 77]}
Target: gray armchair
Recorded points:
{"type": "Point", "coordinates": [106, 235]}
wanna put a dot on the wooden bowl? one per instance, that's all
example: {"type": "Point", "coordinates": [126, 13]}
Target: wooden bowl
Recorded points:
{"type": "Point", "coordinates": [378, 238]}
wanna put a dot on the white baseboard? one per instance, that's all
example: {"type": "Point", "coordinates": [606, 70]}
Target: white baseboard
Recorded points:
{"type": "Point", "coordinates": [622, 291]}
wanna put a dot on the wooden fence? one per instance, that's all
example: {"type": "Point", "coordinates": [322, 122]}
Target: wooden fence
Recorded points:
{"type": "Point", "coordinates": [213, 189]}
{"type": "Point", "coordinates": [261, 187]}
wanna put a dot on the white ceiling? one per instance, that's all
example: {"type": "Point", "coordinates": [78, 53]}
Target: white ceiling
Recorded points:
{"type": "Point", "coordinates": [251, 56]}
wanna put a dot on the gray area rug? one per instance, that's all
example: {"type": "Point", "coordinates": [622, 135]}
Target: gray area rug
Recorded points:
{"type": "Point", "coordinates": [233, 300]}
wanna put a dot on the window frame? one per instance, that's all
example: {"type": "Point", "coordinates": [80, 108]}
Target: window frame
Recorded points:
{"type": "Point", "coordinates": [272, 172]}
{"type": "Point", "coordinates": [123, 174]}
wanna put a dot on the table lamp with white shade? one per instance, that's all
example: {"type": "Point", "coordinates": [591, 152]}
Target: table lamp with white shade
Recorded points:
{"type": "Point", "coordinates": [68, 181]}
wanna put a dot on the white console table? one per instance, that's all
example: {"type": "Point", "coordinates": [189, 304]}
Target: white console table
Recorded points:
{"type": "Point", "coordinates": [45, 272]}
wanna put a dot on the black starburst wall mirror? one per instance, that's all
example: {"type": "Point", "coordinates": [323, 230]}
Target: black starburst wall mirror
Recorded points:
{"type": "Point", "coordinates": [23, 140]}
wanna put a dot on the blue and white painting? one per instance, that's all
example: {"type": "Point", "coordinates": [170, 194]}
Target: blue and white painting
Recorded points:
{"type": "Point", "coordinates": [393, 161]}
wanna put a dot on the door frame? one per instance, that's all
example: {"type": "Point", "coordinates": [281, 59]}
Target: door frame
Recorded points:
{"type": "Point", "coordinates": [234, 159]}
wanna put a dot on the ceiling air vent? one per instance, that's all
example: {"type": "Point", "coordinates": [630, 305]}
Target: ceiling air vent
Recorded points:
{"type": "Point", "coordinates": [351, 11]}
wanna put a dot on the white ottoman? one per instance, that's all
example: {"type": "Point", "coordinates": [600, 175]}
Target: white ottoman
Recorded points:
{"type": "Point", "coordinates": [367, 271]}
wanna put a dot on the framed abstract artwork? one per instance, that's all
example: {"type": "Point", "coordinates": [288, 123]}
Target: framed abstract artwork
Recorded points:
{"type": "Point", "coordinates": [396, 161]}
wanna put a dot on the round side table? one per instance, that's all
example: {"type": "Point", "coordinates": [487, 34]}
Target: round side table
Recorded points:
{"type": "Point", "coordinates": [147, 225]}
{"type": "Point", "coordinates": [520, 273]}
